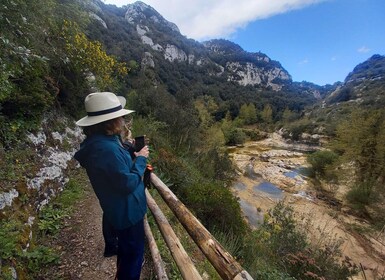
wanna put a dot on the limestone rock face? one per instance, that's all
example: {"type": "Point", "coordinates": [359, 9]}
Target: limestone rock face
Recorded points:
{"type": "Point", "coordinates": [142, 29]}
{"type": "Point", "coordinates": [172, 53]}
{"type": "Point", "coordinates": [99, 19]}
{"type": "Point", "coordinates": [147, 40]}
{"type": "Point", "coordinates": [250, 74]}
{"type": "Point", "coordinates": [148, 60]}
{"type": "Point", "coordinates": [219, 58]}
{"type": "Point", "coordinates": [139, 12]}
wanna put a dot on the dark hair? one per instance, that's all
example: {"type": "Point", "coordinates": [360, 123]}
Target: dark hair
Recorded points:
{"type": "Point", "coordinates": [110, 127]}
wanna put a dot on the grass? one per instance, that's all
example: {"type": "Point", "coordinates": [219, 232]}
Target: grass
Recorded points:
{"type": "Point", "coordinates": [202, 264]}
{"type": "Point", "coordinates": [52, 216]}
{"type": "Point", "coordinates": [15, 235]}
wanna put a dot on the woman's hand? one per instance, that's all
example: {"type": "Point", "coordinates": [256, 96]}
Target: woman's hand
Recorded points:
{"type": "Point", "coordinates": [144, 152]}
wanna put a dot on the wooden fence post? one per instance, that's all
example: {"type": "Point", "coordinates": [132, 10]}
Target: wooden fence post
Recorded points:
{"type": "Point", "coordinates": [156, 258]}
{"type": "Point", "coordinates": [185, 265]}
{"type": "Point", "coordinates": [226, 266]}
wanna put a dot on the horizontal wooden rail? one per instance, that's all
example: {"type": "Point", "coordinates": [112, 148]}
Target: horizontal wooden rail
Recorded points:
{"type": "Point", "coordinates": [226, 266]}
{"type": "Point", "coordinates": [183, 261]}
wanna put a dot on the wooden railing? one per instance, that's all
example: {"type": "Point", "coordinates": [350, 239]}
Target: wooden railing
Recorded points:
{"type": "Point", "coordinates": [225, 264]}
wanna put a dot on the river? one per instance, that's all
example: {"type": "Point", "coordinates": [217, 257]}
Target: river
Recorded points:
{"type": "Point", "coordinates": [272, 170]}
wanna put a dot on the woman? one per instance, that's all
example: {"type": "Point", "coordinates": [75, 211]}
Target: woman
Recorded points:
{"type": "Point", "coordinates": [116, 178]}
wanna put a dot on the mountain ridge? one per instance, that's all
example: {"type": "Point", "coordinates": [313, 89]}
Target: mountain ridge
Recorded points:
{"type": "Point", "coordinates": [224, 61]}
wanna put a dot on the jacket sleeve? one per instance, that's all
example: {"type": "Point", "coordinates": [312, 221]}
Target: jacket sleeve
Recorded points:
{"type": "Point", "coordinates": [124, 175]}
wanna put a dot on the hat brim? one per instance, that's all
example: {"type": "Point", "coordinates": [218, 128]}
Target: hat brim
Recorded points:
{"type": "Point", "coordinates": [91, 120]}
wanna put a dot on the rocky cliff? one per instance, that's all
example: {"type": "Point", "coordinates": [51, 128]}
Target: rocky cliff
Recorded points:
{"type": "Point", "coordinates": [162, 43]}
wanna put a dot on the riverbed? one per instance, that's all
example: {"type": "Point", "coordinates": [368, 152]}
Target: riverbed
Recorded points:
{"type": "Point", "coordinates": [273, 170]}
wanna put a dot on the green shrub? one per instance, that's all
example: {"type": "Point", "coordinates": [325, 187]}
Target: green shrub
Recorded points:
{"type": "Point", "coordinates": [50, 219]}
{"type": "Point", "coordinates": [52, 216]}
{"type": "Point", "coordinates": [296, 129]}
{"type": "Point", "coordinates": [272, 274]}
{"type": "Point", "coordinates": [255, 134]}
{"type": "Point", "coordinates": [215, 206]}
{"type": "Point", "coordinates": [40, 257]}
{"type": "Point", "coordinates": [234, 136]}
{"type": "Point", "coordinates": [215, 164]}
{"type": "Point", "coordinates": [9, 239]}
{"type": "Point", "coordinates": [361, 194]}
{"type": "Point", "coordinates": [320, 161]}
{"type": "Point", "coordinates": [279, 249]}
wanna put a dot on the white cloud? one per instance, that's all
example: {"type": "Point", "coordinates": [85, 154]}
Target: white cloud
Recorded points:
{"type": "Point", "coordinates": [204, 19]}
{"type": "Point", "coordinates": [364, 49]}
{"type": "Point", "coordinates": [302, 62]}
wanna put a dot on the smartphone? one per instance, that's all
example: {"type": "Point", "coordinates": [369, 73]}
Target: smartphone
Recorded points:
{"type": "Point", "coordinates": [139, 143]}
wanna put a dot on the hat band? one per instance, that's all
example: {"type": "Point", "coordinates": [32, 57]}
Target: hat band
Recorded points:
{"type": "Point", "coordinates": [103, 112]}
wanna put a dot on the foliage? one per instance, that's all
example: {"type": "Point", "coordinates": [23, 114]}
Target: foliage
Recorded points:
{"type": "Point", "coordinates": [289, 116]}
{"type": "Point", "coordinates": [231, 131]}
{"type": "Point", "coordinates": [206, 107]}
{"type": "Point", "coordinates": [52, 216]}
{"type": "Point", "coordinates": [248, 113]}
{"type": "Point", "coordinates": [267, 114]}
{"type": "Point", "coordinates": [359, 140]}
{"type": "Point", "coordinates": [40, 257]}
{"type": "Point", "coordinates": [9, 239]}
{"type": "Point", "coordinates": [361, 194]}
{"type": "Point", "coordinates": [271, 274]}
{"type": "Point", "coordinates": [320, 161]}
{"type": "Point", "coordinates": [279, 249]}
{"type": "Point", "coordinates": [294, 130]}
{"type": "Point", "coordinates": [214, 163]}
{"type": "Point", "coordinates": [215, 206]}
{"type": "Point", "coordinates": [90, 57]}
{"type": "Point", "coordinates": [50, 219]}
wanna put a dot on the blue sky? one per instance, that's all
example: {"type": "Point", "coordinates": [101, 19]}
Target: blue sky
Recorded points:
{"type": "Point", "coordinates": [318, 41]}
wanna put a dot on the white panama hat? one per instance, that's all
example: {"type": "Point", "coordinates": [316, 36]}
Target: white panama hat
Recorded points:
{"type": "Point", "coordinates": [103, 106]}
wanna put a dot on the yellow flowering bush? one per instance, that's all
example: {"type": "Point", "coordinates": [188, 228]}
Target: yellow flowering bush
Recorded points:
{"type": "Point", "coordinates": [90, 56]}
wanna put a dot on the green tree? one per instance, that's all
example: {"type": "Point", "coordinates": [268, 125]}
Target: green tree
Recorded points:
{"type": "Point", "coordinates": [360, 141]}
{"type": "Point", "coordinates": [267, 114]}
{"type": "Point", "coordinates": [248, 113]}
{"type": "Point", "coordinates": [288, 115]}
{"type": "Point", "coordinates": [320, 161]}
{"type": "Point", "coordinates": [206, 107]}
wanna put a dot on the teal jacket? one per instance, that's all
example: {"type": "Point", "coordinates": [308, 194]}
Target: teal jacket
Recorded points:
{"type": "Point", "coordinates": [115, 178]}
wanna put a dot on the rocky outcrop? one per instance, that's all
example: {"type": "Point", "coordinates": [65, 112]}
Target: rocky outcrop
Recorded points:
{"type": "Point", "coordinates": [250, 74]}
{"type": "Point", "coordinates": [99, 19]}
{"type": "Point", "coordinates": [140, 12]}
{"type": "Point", "coordinates": [148, 61]}
{"type": "Point", "coordinates": [51, 152]}
{"type": "Point", "coordinates": [172, 53]}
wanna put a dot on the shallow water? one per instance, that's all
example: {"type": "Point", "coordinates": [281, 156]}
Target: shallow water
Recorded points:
{"type": "Point", "coordinates": [300, 171]}
{"type": "Point", "coordinates": [270, 189]}
{"type": "Point", "coordinates": [291, 174]}
{"type": "Point", "coordinates": [254, 217]}
{"type": "Point", "coordinates": [239, 186]}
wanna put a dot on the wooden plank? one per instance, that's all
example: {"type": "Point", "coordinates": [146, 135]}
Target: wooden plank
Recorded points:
{"type": "Point", "coordinates": [156, 257]}
{"type": "Point", "coordinates": [183, 261]}
{"type": "Point", "coordinates": [226, 266]}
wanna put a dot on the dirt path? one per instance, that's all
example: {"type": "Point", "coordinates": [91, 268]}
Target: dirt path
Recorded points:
{"type": "Point", "coordinates": [81, 245]}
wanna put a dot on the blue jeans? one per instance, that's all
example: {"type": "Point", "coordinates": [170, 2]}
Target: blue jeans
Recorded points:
{"type": "Point", "coordinates": [110, 236]}
{"type": "Point", "coordinates": [130, 252]}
